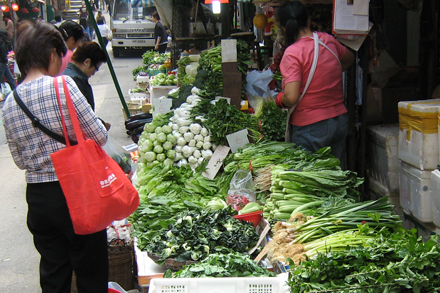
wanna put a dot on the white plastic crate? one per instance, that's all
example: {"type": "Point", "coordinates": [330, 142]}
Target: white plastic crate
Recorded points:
{"type": "Point", "coordinates": [382, 152]}
{"type": "Point", "coordinates": [435, 197]}
{"type": "Point", "coordinates": [418, 135]}
{"type": "Point", "coordinates": [415, 192]}
{"type": "Point", "coordinates": [220, 285]}
{"type": "Point", "coordinates": [160, 90]}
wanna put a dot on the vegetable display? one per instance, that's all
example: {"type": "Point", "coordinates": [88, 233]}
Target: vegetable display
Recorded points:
{"type": "Point", "coordinates": [167, 190]}
{"type": "Point", "coordinates": [211, 61]}
{"type": "Point", "coordinates": [163, 79]}
{"type": "Point", "coordinates": [222, 265]}
{"type": "Point", "coordinates": [222, 119]}
{"type": "Point", "coordinates": [391, 262]}
{"type": "Point", "coordinates": [194, 235]}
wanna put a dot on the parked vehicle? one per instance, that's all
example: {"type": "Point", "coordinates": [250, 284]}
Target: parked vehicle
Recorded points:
{"type": "Point", "coordinates": [131, 26]}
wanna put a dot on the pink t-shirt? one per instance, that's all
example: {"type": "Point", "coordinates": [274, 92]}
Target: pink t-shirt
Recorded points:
{"type": "Point", "coordinates": [65, 60]}
{"type": "Point", "coordinates": [324, 98]}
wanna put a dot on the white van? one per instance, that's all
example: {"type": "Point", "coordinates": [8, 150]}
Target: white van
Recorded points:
{"type": "Point", "coordinates": [131, 26]}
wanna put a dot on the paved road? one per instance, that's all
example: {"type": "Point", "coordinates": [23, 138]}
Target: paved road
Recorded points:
{"type": "Point", "coordinates": [18, 257]}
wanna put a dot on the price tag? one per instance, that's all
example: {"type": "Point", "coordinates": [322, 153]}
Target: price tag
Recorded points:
{"type": "Point", "coordinates": [238, 139]}
{"type": "Point", "coordinates": [216, 161]}
{"type": "Point", "coordinates": [229, 50]}
{"type": "Point", "coordinates": [161, 106]}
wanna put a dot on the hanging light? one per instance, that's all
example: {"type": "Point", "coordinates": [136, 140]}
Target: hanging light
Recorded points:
{"type": "Point", "coordinates": [221, 1]}
{"type": "Point", "coordinates": [216, 8]}
{"type": "Point", "coordinates": [5, 8]}
{"type": "Point", "coordinates": [15, 6]}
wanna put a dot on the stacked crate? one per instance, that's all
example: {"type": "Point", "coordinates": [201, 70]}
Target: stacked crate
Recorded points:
{"type": "Point", "coordinates": [419, 157]}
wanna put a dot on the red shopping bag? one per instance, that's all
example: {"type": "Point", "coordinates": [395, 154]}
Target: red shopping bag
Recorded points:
{"type": "Point", "coordinates": [97, 190]}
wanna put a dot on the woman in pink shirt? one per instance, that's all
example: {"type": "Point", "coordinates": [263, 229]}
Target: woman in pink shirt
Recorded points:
{"type": "Point", "coordinates": [72, 34]}
{"type": "Point", "coordinates": [319, 119]}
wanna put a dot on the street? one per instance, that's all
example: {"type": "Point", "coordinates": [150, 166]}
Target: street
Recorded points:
{"type": "Point", "coordinates": [19, 260]}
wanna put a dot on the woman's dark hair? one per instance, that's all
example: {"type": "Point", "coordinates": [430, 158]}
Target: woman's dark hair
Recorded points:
{"type": "Point", "coordinates": [4, 36]}
{"type": "Point", "coordinates": [155, 15]}
{"type": "Point", "coordinates": [34, 44]}
{"type": "Point", "coordinates": [292, 17]}
{"type": "Point", "coordinates": [71, 29]}
{"type": "Point", "coordinates": [89, 50]}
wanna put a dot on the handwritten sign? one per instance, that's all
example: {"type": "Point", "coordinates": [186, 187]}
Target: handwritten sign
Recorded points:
{"type": "Point", "coordinates": [216, 161]}
{"type": "Point", "coordinates": [237, 139]}
{"type": "Point", "coordinates": [161, 106]}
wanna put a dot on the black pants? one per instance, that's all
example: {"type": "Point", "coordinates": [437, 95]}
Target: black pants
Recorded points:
{"type": "Point", "coordinates": [62, 251]}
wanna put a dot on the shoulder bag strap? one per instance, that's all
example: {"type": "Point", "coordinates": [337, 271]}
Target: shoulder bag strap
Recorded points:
{"type": "Point", "coordinates": [36, 121]}
{"type": "Point", "coordinates": [309, 80]}
{"type": "Point", "coordinates": [72, 112]}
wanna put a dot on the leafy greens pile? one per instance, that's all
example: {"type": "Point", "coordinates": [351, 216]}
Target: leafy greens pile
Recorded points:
{"type": "Point", "coordinates": [197, 234]}
{"type": "Point", "coordinates": [391, 262]}
{"type": "Point", "coordinates": [222, 265]}
{"type": "Point", "coordinates": [167, 190]}
{"type": "Point", "coordinates": [222, 119]}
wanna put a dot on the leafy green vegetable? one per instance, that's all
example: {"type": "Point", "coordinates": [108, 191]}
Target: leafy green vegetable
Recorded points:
{"type": "Point", "coordinates": [195, 235]}
{"type": "Point", "coordinates": [391, 262]}
{"type": "Point", "coordinates": [222, 119]}
{"type": "Point", "coordinates": [222, 265]}
{"type": "Point", "coordinates": [273, 122]}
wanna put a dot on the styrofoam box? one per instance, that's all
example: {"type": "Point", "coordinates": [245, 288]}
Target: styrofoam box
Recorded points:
{"type": "Point", "coordinates": [378, 190]}
{"type": "Point", "coordinates": [220, 285]}
{"type": "Point", "coordinates": [415, 192]}
{"type": "Point", "coordinates": [160, 90]}
{"type": "Point", "coordinates": [382, 148]}
{"type": "Point", "coordinates": [435, 197]}
{"type": "Point", "coordinates": [417, 148]}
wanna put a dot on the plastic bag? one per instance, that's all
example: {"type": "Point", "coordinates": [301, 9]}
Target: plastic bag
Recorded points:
{"type": "Point", "coordinates": [117, 153]}
{"type": "Point", "coordinates": [257, 83]}
{"type": "Point", "coordinates": [241, 190]}
{"type": "Point", "coordinates": [5, 89]}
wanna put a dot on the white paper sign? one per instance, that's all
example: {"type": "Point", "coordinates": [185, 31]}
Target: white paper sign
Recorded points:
{"type": "Point", "coordinates": [216, 161]}
{"type": "Point", "coordinates": [229, 50]}
{"type": "Point", "coordinates": [161, 106]}
{"type": "Point", "coordinates": [237, 139]}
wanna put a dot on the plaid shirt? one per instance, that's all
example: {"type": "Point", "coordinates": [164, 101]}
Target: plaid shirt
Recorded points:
{"type": "Point", "coordinates": [29, 146]}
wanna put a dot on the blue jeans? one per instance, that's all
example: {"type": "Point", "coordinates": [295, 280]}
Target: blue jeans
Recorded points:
{"type": "Point", "coordinates": [4, 71]}
{"type": "Point", "coordinates": [330, 132]}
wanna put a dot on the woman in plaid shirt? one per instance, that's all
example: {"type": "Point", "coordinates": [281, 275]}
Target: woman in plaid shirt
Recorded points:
{"type": "Point", "coordinates": [39, 49]}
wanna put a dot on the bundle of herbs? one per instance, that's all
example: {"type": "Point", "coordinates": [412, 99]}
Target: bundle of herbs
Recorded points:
{"type": "Point", "coordinates": [218, 265]}
{"type": "Point", "coordinates": [390, 262]}
{"type": "Point", "coordinates": [195, 235]}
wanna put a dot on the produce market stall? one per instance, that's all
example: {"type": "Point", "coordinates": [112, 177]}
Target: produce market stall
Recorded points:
{"type": "Point", "coordinates": [204, 162]}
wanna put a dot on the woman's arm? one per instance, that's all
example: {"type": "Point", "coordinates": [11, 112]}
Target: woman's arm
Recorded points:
{"type": "Point", "coordinates": [347, 60]}
{"type": "Point", "coordinates": [291, 94]}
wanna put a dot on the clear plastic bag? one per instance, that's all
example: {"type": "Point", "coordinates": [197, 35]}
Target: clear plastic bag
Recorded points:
{"type": "Point", "coordinates": [117, 153]}
{"type": "Point", "coordinates": [241, 190]}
